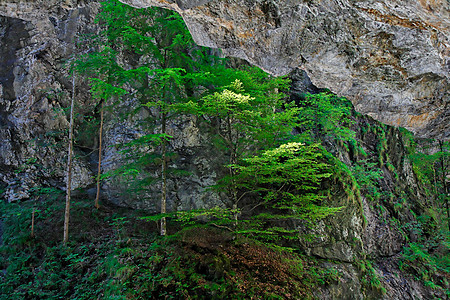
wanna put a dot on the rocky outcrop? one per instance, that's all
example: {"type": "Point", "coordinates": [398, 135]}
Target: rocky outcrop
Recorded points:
{"type": "Point", "coordinates": [391, 65]}
{"type": "Point", "coordinates": [196, 158]}
{"type": "Point", "coordinates": [364, 242]}
{"type": "Point", "coordinates": [35, 45]}
{"type": "Point", "coordinates": [390, 58]}
{"type": "Point", "coordinates": [37, 39]}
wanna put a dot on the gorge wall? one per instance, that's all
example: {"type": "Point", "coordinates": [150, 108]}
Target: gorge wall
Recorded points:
{"type": "Point", "coordinates": [37, 39]}
{"type": "Point", "coordinates": [390, 58]}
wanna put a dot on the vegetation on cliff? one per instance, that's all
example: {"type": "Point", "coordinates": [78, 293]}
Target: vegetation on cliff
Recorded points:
{"type": "Point", "coordinates": [291, 167]}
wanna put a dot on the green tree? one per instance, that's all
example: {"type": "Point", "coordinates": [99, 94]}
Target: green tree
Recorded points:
{"type": "Point", "coordinates": [434, 170]}
{"type": "Point", "coordinates": [286, 185]}
{"type": "Point", "coordinates": [102, 92]}
{"type": "Point", "coordinates": [324, 115]}
{"type": "Point", "coordinates": [444, 166]}
{"type": "Point", "coordinates": [245, 118]}
{"type": "Point", "coordinates": [150, 54]}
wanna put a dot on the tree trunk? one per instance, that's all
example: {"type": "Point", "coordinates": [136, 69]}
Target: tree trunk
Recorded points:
{"type": "Point", "coordinates": [69, 166]}
{"type": "Point", "coordinates": [164, 175]}
{"type": "Point", "coordinates": [32, 223]}
{"type": "Point", "coordinates": [435, 180]}
{"type": "Point", "coordinates": [233, 161]}
{"type": "Point", "coordinates": [444, 182]}
{"type": "Point", "coordinates": [99, 157]}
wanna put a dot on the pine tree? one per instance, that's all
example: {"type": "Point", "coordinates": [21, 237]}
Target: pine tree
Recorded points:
{"type": "Point", "coordinates": [69, 166]}
{"type": "Point", "coordinates": [245, 117]}
{"type": "Point", "coordinates": [284, 184]}
{"type": "Point", "coordinates": [271, 178]}
{"type": "Point", "coordinates": [162, 69]}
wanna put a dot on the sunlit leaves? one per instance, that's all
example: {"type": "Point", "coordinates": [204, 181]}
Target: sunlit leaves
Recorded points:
{"type": "Point", "coordinates": [288, 179]}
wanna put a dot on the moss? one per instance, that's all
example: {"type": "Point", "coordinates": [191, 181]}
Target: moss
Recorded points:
{"type": "Point", "coordinates": [344, 176]}
{"type": "Point", "coordinates": [431, 269]}
{"type": "Point", "coordinates": [369, 278]}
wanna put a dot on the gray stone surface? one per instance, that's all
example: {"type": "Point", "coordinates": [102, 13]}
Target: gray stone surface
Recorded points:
{"type": "Point", "coordinates": [195, 155]}
{"type": "Point", "coordinates": [391, 58]}
{"type": "Point", "coordinates": [342, 47]}
{"type": "Point", "coordinates": [34, 89]}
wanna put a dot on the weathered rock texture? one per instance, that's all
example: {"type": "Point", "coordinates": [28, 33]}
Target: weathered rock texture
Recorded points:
{"type": "Point", "coordinates": [391, 62]}
{"type": "Point", "coordinates": [195, 156]}
{"type": "Point", "coordinates": [36, 40]}
{"type": "Point", "coordinates": [374, 225]}
{"type": "Point", "coordinates": [391, 58]}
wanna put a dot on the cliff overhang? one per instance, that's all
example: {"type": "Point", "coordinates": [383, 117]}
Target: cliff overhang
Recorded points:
{"type": "Point", "coordinates": [391, 58]}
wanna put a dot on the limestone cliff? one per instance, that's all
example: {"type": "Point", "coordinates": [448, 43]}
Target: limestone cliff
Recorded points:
{"type": "Point", "coordinates": [36, 40]}
{"type": "Point", "coordinates": [391, 61]}
{"type": "Point", "coordinates": [390, 58]}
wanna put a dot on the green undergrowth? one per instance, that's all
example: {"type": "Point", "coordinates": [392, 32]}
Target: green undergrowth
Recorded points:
{"type": "Point", "coordinates": [430, 267]}
{"type": "Point", "coordinates": [114, 254]}
{"type": "Point", "coordinates": [370, 280]}
{"type": "Point", "coordinates": [206, 263]}
{"type": "Point", "coordinates": [40, 267]}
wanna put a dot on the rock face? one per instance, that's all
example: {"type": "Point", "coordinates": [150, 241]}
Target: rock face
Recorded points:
{"type": "Point", "coordinates": [391, 58]}
{"type": "Point", "coordinates": [375, 224]}
{"type": "Point", "coordinates": [393, 64]}
{"type": "Point", "coordinates": [196, 156]}
{"type": "Point", "coordinates": [34, 88]}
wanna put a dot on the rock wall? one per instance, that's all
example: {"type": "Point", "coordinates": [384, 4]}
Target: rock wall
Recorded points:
{"type": "Point", "coordinates": [194, 152]}
{"type": "Point", "coordinates": [37, 37]}
{"type": "Point", "coordinates": [375, 224]}
{"type": "Point", "coordinates": [35, 45]}
{"type": "Point", "coordinates": [391, 58]}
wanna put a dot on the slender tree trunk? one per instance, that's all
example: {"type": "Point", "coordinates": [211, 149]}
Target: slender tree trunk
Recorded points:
{"type": "Point", "coordinates": [32, 223]}
{"type": "Point", "coordinates": [69, 166]}
{"type": "Point", "coordinates": [164, 175]}
{"type": "Point", "coordinates": [448, 210]}
{"type": "Point", "coordinates": [97, 205]}
{"type": "Point", "coordinates": [233, 160]}
{"type": "Point", "coordinates": [444, 182]}
{"type": "Point", "coordinates": [435, 181]}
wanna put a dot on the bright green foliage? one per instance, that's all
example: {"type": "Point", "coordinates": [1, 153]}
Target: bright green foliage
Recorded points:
{"type": "Point", "coordinates": [103, 91]}
{"type": "Point", "coordinates": [273, 182]}
{"type": "Point", "coordinates": [147, 55]}
{"type": "Point", "coordinates": [116, 256]}
{"type": "Point", "coordinates": [325, 115]}
{"type": "Point", "coordinates": [286, 183]}
{"type": "Point", "coordinates": [428, 166]}
{"type": "Point", "coordinates": [160, 57]}
{"type": "Point", "coordinates": [168, 69]}
{"type": "Point", "coordinates": [423, 166]}
{"type": "Point", "coordinates": [41, 268]}
{"type": "Point", "coordinates": [430, 268]}
{"type": "Point", "coordinates": [155, 44]}
{"type": "Point", "coordinates": [367, 175]}
{"type": "Point", "coordinates": [270, 179]}
{"type": "Point", "coordinates": [370, 279]}
{"type": "Point", "coordinates": [433, 170]}
{"type": "Point", "coordinates": [245, 118]}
